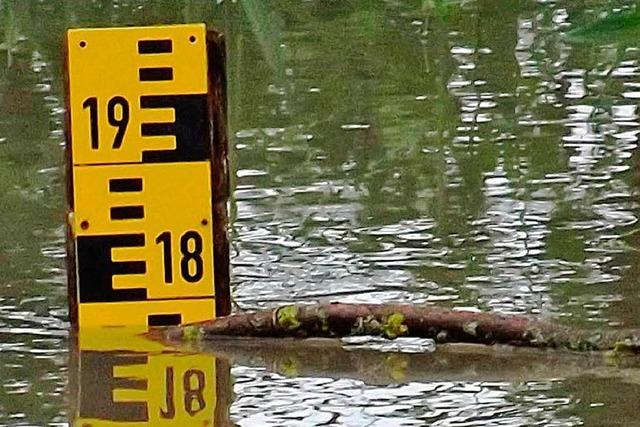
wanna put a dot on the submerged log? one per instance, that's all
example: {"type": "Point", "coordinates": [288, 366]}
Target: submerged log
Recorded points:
{"type": "Point", "coordinates": [394, 320]}
{"type": "Point", "coordinates": [336, 358]}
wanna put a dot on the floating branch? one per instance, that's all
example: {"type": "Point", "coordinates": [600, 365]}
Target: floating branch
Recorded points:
{"type": "Point", "coordinates": [394, 320]}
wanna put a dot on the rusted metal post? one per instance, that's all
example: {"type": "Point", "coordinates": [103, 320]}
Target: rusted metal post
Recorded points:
{"type": "Point", "coordinates": [72, 289]}
{"type": "Point", "coordinates": [219, 168]}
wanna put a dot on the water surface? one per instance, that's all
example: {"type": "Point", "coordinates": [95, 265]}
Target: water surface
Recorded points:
{"type": "Point", "coordinates": [474, 154]}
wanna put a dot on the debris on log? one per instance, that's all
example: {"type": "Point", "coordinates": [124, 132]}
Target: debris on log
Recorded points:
{"type": "Point", "coordinates": [394, 320]}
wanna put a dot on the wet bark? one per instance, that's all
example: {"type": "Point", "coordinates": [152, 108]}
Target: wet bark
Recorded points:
{"type": "Point", "coordinates": [217, 100]}
{"type": "Point", "coordinates": [394, 320]}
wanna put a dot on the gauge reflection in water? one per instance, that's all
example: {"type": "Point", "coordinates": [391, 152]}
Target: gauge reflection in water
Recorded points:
{"type": "Point", "coordinates": [122, 379]}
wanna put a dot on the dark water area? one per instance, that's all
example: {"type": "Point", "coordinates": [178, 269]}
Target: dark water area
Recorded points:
{"type": "Point", "coordinates": [472, 154]}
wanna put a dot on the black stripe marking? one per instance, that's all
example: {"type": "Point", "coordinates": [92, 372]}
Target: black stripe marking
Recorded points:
{"type": "Point", "coordinates": [157, 129]}
{"type": "Point", "coordinates": [164, 319]}
{"type": "Point", "coordinates": [127, 212]}
{"type": "Point", "coordinates": [191, 128]}
{"type": "Point", "coordinates": [155, 74]}
{"type": "Point", "coordinates": [154, 46]}
{"type": "Point", "coordinates": [96, 268]}
{"type": "Point", "coordinates": [130, 267]}
{"type": "Point", "coordinates": [125, 185]}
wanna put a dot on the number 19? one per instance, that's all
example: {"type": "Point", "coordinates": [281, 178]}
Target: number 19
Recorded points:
{"type": "Point", "coordinates": [120, 122]}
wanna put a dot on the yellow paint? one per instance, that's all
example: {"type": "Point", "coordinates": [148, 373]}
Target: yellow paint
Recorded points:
{"type": "Point", "coordinates": [92, 315]}
{"type": "Point", "coordinates": [122, 338]}
{"type": "Point", "coordinates": [177, 389]}
{"type": "Point", "coordinates": [104, 63]}
{"type": "Point", "coordinates": [176, 198]}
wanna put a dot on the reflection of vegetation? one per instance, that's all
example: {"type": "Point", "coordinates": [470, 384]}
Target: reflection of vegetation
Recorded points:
{"type": "Point", "coordinates": [411, 155]}
{"type": "Point", "coordinates": [615, 27]}
{"type": "Point", "coordinates": [354, 94]}
{"type": "Point", "coordinates": [302, 70]}
{"type": "Point", "coordinates": [31, 189]}
{"type": "Point", "coordinates": [394, 130]}
{"type": "Point", "coordinates": [265, 27]}
{"type": "Point", "coordinates": [10, 31]}
{"type": "Point", "coordinates": [25, 149]}
{"type": "Point", "coordinates": [30, 156]}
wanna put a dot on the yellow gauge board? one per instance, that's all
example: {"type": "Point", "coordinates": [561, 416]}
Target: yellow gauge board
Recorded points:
{"type": "Point", "coordinates": [139, 142]}
{"type": "Point", "coordinates": [158, 233]}
{"type": "Point", "coordinates": [147, 313]}
{"type": "Point", "coordinates": [135, 93]}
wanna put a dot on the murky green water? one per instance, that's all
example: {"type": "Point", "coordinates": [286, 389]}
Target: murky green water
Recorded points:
{"type": "Point", "coordinates": [463, 153]}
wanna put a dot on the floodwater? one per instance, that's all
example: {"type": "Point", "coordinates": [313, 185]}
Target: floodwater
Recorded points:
{"type": "Point", "coordinates": [474, 154]}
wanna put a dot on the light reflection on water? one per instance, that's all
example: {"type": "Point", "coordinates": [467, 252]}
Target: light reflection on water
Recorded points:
{"type": "Point", "coordinates": [308, 401]}
{"type": "Point", "coordinates": [460, 153]}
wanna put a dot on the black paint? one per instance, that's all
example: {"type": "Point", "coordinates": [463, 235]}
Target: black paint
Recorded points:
{"type": "Point", "coordinates": [154, 46]}
{"type": "Point", "coordinates": [191, 128]}
{"type": "Point", "coordinates": [92, 105]}
{"type": "Point", "coordinates": [155, 74]}
{"type": "Point", "coordinates": [164, 319]}
{"type": "Point", "coordinates": [164, 239]}
{"type": "Point", "coordinates": [120, 123]}
{"type": "Point", "coordinates": [157, 129]}
{"type": "Point", "coordinates": [125, 185]}
{"type": "Point", "coordinates": [96, 268]}
{"type": "Point", "coordinates": [191, 257]}
{"type": "Point", "coordinates": [126, 212]}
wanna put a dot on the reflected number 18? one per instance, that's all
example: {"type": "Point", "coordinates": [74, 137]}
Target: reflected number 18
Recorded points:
{"type": "Point", "coordinates": [194, 401]}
